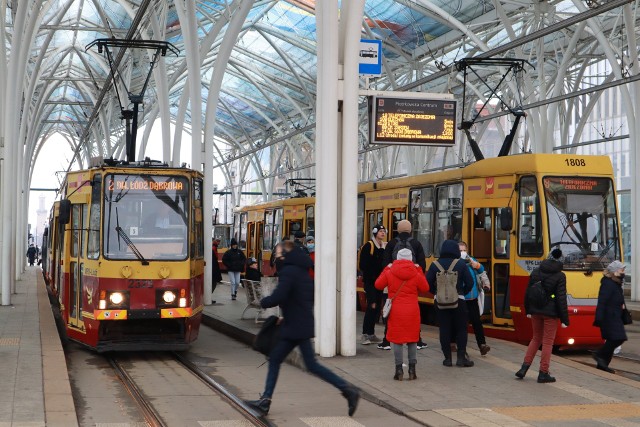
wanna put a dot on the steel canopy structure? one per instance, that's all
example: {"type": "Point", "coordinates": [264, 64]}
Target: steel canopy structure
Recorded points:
{"type": "Point", "coordinates": [245, 82]}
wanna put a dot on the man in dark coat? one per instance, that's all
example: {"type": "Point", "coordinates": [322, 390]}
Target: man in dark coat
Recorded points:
{"type": "Point", "coordinates": [234, 259]}
{"type": "Point", "coordinates": [609, 314]}
{"type": "Point", "coordinates": [31, 254]}
{"type": "Point", "coordinates": [544, 320]}
{"type": "Point", "coordinates": [453, 318]}
{"type": "Point", "coordinates": [370, 264]}
{"type": "Point", "coordinates": [294, 294]}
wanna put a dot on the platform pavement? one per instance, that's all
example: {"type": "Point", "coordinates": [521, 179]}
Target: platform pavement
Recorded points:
{"type": "Point", "coordinates": [487, 394]}
{"type": "Point", "coordinates": [34, 384]}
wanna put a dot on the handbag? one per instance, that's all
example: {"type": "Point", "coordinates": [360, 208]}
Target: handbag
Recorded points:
{"type": "Point", "coordinates": [386, 310]}
{"type": "Point", "coordinates": [267, 336]}
{"type": "Point", "coordinates": [626, 317]}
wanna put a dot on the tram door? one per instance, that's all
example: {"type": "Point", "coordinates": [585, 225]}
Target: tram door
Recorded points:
{"type": "Point", "coordinates": [395, 216]}
{"type": "Point", "coordinates": [374, 218]}
{"type": "Point", "coordinates": [78, 222]}
{"type": "Point", "coordinates": [251, 239]}
{"type": "Point", "coordinates": [492, 247]}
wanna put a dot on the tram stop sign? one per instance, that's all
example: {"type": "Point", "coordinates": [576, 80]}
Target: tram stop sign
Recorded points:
{"type": "Point", "coordinates": [370, 57]}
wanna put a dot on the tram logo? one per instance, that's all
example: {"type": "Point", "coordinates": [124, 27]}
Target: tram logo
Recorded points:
{"type": "Point", "coordinates": [488, 185]}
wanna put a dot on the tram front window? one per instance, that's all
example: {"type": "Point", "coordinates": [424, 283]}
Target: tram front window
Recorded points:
{"type": "Point", "coordinates": [151, 212]}
{"type": "Point", "coordinates": [582, 221]}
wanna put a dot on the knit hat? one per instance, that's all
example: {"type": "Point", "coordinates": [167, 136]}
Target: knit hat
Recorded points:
{"type": "Point", "coordinates": [405, 254]}
{"type": "Point", "coordinates": [615, 266]}
{"type": "Point", "coordinates": [299, 234]}
{"type": "Point", "coordinates": [377, 228]}
{"type": "Point", "coordinates": [309, 239]}
{"type": "Point", "coordinates": [556, 255]}
{"type": "Point", "coordinates": [233, 242]}
{"type": "Point", "coordinates": [404, 226]}
{"type": "Point", "coordinates": [251, 261]}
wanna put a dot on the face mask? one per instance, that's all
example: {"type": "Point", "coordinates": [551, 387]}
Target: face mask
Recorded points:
{"type": "Point", "coordinates": [621, 276]}
{"type": "Point", "coordinates": [311, 246]}
{"type": "Point", "coordinates": [463, 254]}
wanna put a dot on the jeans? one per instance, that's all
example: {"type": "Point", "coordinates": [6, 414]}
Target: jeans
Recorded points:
{"type": "Point", "coordinates": [374, 297]}
{"type": "Point", "coordinates": [234, 279]}
{"type": "Point", "coordinates": [451, 320]}
{"type": "Point", "coordinates": [280, 352]}
{"type": "Point", "coordinates": [412, 350]}
{"type": "Point", "coordinates": [544, 331]}
{"type": "Point", "coordinates": [606, 351]}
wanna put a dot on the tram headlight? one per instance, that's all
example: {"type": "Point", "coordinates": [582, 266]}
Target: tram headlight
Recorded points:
{"type": "Point", "coordinates": [116, 298]}
{"type": "Point", "coordinates": [168, 297]}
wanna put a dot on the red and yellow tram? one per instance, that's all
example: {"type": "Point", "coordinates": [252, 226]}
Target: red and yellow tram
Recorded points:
{"type": "Point", "coordinates": [125, 256]}
{"type": "Point", "coordinates": [511, 211]}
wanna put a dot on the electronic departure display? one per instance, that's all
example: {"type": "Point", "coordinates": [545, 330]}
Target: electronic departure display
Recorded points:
{"type": "Point", "coordinates": [412, 121]}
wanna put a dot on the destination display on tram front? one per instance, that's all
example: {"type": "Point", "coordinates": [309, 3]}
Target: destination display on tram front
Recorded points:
{"type": "Point", "coordinates": [412, 121]}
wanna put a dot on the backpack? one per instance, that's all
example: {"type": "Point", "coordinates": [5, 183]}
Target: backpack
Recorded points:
{"type": "Point", "coordinates": [371, 249]}
{"type": "Point", "coordinates": [536, 295]}
{"type": "Point", "coordinates": [403, 244]}
{"type": "Point", "coordinates": [447, 286]}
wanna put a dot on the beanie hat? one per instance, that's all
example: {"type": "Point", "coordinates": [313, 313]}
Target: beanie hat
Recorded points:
{"type": "Point", "coordinates": [615, 266]}
{"type": "Point", "coordinates": [299, 234]}
{"type": "Point", "coordinates": [233, 242]}
{"type": "Point", "coordinates": [376, 229]}
{"type": "Point", "coordinates": [309, 239]}
{"type": "Point", "coordinates": [405, 254]}
{"type": "Point", "coordinates": [556, 255]}
{"type": "Point", "coordinates": [404, 226]}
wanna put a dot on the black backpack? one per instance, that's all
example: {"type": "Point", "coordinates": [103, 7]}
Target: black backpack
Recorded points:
{"type": "Point", "coordinates": [536, 295]}
{"type": "Point", "coordinates": [268, 335]}
{"type": "Point", "coordinates": [403, 244]}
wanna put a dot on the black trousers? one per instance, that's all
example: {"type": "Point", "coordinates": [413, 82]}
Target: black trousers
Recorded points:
{"type": "Point", "coordinates": [374, 306]}
{"type": "Point", "coordinates": [453, 321]}
{"type": "Point", "coordinates": [606, 351]}
{"type": "Point", "coordinates": [473, 311]}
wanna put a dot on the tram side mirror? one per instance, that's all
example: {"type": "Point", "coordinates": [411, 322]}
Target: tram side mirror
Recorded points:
{"type": "Point", "coordinates": [64, 212]}
{"type": "Point", "coordinates": [506, 219]}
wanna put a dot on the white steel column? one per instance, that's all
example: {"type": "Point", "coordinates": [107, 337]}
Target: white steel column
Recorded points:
{"type": "Point", "coordinates": [350, 31]}
{"type": "Point", "coordinates": [326, 178]}
{"type": "Point", "coordinates": [220, 66]}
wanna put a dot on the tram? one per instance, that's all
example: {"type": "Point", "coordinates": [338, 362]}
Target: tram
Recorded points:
{"type": "Point", "coordinates": [125, 260]}
{"type": "Point", "coordinates": [511, 211]}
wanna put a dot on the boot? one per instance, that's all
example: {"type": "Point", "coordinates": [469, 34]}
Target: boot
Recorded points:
{"type": "Point", "coordinates": [261, 406]}
{"type": "Point", "coordinates": [544, 377]}
{"type": "Point", "coordinates": [523, 370]}
{"type": "Point", "coordinates": [399, 373]}
{"type": "Point", "coordinates": [352, 395]}
{"type": "Point", "coordinates": [412, 372]}
{"type": "Point", "coordinates": [484, 349]}
{"type": "Point", "coordinates": [463, 360]}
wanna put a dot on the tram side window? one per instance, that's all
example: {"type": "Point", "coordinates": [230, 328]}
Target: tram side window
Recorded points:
{"type": "Point", "coordinates": [311, 221]}
{"type": "Point", "coordinates": [421, 217]}
{"type": "Point", "coordinates": [502, 238]}
{"type": "Point", "coordinates": [360, 220]}
{"type": "Point", "coordinates": [198, 227]}
{"type": "Point", "coordinates": [83, 231]}
{"type": "Point", "coordinates": [529, 223]}
{"type": "Point", "coordinates": [242, 241]}
{"type": "Point", "coordinates": [277, 226]}
{"type": "Point", "coordinates": [448, 215]}
{"type": "Point", "coordinates": [76, 225]}
{"type": "Point", "coordinates": [93, 245]}
{"type": "Point", "coordinates": [267, 237]}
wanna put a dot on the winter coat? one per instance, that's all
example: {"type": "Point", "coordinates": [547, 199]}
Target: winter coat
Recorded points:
{"type": "Point", "coordinates": [371, 265]}
{"type": "Point", "coordinates": [418, 251]}
{"type": "Point", "coordinates": [31, 253]}
{"type": "Point", "coordinates": [555, 285]}
{"type": "Point", "coordinates": [475, 290]}
{"type": "Point", "coordinates": [294, 294]}
{"type": "Point", "coordinates": [403, 324]}
{"type": "Point", "coordinates": [216, 275]}
{"type": "Point", "coordinates": [451, 251]}
{"type": "Point", "coordinates": [252, 274]}
{"type": "Point", "coordinates": [609, 310]}
{"type": "Point", "coordinates": [234, 260]}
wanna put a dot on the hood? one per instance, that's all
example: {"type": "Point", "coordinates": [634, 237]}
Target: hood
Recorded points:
{"type": "Point", "coordinates": [450, 249]}
{"type": "Point", "coordinates": [404, 269]}
{"type": "Point", "coordinates": [298, 257]}
{"type": "Point", "coordinates": [550, 266]}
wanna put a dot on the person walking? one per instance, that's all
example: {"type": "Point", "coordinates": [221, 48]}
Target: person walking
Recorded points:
{"type": "Point", "coordinates": [404, 239]}
{"type": "Point", "coordinates": [216, 274]}
{"type": "Point", "coordinates": [452, 319]}
{"type": "Point", "coordinates": [31, 254]}
{"type": "Point", "coordinates": [294, 294]}
{"type": "Point", "coordinates": [404, 280]}
{"type": "Point", "coordinates": [544, 318]}
{"type": "Point", "coordinates": [234, 259]}
{"type": "Point", "coordinates": [370, 264]}
{"type": "Point", "coordinates": [609, 314]}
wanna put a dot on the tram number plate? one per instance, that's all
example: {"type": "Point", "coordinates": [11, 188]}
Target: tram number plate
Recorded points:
{"type": "Point", "coordinates": [140, 284]}
{"type": "Point", "coordinates": [575, 162]}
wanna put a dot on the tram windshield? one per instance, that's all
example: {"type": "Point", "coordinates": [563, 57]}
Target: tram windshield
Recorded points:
{"type": "Point", "coordinates": [145, 217]}
{"type": "Point", "coordinates": [582, 221]}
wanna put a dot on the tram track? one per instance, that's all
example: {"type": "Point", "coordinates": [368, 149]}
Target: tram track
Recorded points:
{"type": "Point", "coordinates": [153, 416]}
{"type": "Point", "coordinates": [624, 365]}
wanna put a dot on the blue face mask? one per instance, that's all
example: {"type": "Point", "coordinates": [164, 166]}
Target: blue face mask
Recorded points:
{"type": "Point", "coordinates": [311, 246]}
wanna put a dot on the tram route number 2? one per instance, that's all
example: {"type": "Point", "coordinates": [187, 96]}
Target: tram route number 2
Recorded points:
{"type": "Point", "coordinates": [138, 284]}
{"type": "Point", "coordinates": [575, 162]}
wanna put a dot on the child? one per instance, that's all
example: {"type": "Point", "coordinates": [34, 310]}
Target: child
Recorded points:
{"type": "Point", "coordinates": [252, 270]}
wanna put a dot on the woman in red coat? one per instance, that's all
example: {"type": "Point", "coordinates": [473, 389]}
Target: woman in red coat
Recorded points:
{"type": "Point", "coordinates": [404, 280]}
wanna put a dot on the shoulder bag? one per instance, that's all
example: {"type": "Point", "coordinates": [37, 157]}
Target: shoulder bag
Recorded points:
{"type": "Point", "coordinates": [386, 310]}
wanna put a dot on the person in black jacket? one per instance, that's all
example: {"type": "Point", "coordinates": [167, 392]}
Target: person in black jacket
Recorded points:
{"type": "Point", "coordinates": [234, 260]}
{"type": "Point", "coordinates": [609, 314]}
{"type": "Point", "coordinates": [216, 274]}
{"type": "Point", "coordinates": [544, 320]}
{"type": "Point", "coordinates": [371, 265]}
{"type": "Point", "coordinates": [453, 319]}
{"type": "Point", "coordinates": [252, 272]}
{"type": "Point", "coordinates": [294, 294]}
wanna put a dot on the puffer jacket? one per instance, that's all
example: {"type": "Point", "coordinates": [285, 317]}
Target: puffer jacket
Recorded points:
{"type": "Point", "coordinates": [294, 294]}
{"type": "Point", "coordinates": [403, 324]}
{"type": "Point", "coordinates": [450, 251]}
{"type": "Point", "coordinates": [609, 310]}
{"type": "Point", "coordinates": [234, 260]}
{"type": "Point", "coordinates": [555, 285]}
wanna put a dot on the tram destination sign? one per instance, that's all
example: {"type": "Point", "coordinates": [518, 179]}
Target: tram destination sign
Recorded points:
{"type": "Point", "coordinates": [412, 121]}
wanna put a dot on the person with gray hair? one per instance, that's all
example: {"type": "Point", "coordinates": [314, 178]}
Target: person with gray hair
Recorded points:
{"type": "Point", "coordinates": [405, 280]}
{"type": "Point", "coordinates": [609, 314]}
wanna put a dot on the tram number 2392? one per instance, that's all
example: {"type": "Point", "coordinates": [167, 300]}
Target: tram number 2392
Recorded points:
{"type": "Point", "coordinates": [575, 162]}
{"type": "Point", "coordinates": [140, 284]}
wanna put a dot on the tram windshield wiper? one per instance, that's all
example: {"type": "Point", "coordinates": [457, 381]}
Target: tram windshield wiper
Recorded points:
{"type": "Point", "coordinates": [129, 243]}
